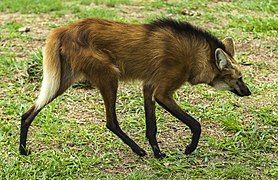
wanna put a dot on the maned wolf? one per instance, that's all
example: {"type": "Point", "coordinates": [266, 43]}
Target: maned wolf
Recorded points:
{"type": "Point", "coordinates": [163, 55]}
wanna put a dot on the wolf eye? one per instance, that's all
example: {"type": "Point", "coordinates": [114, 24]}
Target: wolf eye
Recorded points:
{"type": "Point", "coordinates": [239, 81]}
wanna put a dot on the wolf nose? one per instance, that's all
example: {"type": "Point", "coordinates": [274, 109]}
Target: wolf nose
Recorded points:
{"type": "Point", "coordinates": [248, 93]}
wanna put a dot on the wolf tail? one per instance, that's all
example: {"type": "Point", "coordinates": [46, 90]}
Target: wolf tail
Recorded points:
{"type": "Point", "coordinates": [51, 72]}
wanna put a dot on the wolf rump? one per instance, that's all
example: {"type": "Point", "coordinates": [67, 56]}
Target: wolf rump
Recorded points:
{"type": "Point", "coordinates": [163, 55]}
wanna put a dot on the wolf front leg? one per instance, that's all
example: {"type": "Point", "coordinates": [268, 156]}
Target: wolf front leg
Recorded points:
{"type": "Point", "coordinates": [167, 102]}
{"type": "Point", "coordinates": [151, 129]}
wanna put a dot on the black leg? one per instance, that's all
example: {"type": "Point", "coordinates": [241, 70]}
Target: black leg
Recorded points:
{"type": "Point", "coordinates": [29, 116]}
{"type": "Point", "coordinates": [26, 121]}
{"type": "Point", "coordinates": [109, 92]}
{"type": "Point", "coordinates": [167, 102]}
{"type": "Point", "coordinates": [151, 128]}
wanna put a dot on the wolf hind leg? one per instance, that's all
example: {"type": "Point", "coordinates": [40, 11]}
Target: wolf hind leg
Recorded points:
{"type": "Point", "coordinates": [27, 118]}
{"type": "Point", "coordinates": [105, 76]}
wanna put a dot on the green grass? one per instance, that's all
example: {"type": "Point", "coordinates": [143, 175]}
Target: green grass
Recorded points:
{"type": "Point", "coordinates": [255, 24]}
{"type": "Point", "coordinates": [69, 139]}
{"type": "Point", "coordinates": [112, 3]}
{"type": "Point", "coordinates": [31, 6]}
{"type": "Point", "coordinates": [97, 13]}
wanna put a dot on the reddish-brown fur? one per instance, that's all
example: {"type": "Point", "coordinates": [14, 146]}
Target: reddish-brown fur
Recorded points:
{"type": "Point", "coordinates": [162, 56]}
{"type": "Point", "coordinates": [101, 48]}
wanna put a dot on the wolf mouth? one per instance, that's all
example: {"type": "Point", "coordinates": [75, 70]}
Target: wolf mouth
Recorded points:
{"type": "Point", "coordinates": [236, 92]}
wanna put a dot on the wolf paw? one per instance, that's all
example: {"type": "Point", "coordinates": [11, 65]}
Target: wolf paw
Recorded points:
{"type": "Point", "coordinates": [160, 155]}
{"type": "Point", "coordinates": [24, 151]}
{"type": "Point", "coordinates": [189, 149]}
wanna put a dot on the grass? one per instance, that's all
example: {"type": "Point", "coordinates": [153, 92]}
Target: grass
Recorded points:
{"type": "Point", "coordinates": [31, 6]}
{"type": "Point", "coordinates": [69, 139]}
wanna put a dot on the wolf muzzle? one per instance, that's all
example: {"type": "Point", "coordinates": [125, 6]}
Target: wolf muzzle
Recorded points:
{"type": "Point", "coordinates": [241, 89]}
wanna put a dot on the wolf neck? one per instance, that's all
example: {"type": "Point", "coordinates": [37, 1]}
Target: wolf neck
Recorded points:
{"type": "Point", "coordinates": [188, 30]}
{"type": "Point", "coordinates": [194, 47]}
{"type": "Point", "coordinates": [202, 69]}
{"type": "Point", "coordinates": [197, 54]}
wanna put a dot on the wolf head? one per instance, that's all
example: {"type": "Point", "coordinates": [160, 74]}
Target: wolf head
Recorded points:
{"type": "Point", "coordinates": [230, 77]}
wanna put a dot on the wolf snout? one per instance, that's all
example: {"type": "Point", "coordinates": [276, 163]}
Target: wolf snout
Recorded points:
{"type": "Point", "coordinates": [248, 92]}
{"type": "Point", "coordinates": [241, 93]}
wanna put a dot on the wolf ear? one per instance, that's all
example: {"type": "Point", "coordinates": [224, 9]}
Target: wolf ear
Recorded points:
{"type": "Point", "coordinates": [222, 60]}
{"type": "Point", "coordinates": [229, 45]}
